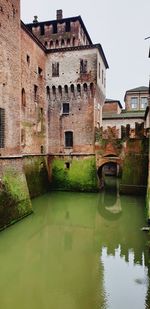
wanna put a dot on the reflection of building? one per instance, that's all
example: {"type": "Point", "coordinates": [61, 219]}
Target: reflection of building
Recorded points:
{"type": "Point", "coordinates": [136, 111]}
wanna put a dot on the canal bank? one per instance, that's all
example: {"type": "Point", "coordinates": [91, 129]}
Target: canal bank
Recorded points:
{"type": "Point", "coordinates": [28, 176]}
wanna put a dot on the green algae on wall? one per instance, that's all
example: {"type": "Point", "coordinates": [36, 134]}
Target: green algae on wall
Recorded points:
{"type": "Point", "coordinates": [14, 197]}
{"type": "Point", "coordinates": [74, 174]}
{"type": "Point", "coordinates": [35, 168]}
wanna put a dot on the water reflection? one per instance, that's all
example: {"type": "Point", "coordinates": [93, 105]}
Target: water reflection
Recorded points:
{"type": "Point", "coordinates": [78, 251]}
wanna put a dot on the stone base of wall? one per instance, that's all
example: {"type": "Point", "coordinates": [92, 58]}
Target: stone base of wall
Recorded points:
{"type": "Point", "coordinates": [74, 173]}
{"type": "Point", "coordinates": [132, 189]}
{"type": "Point", "coordinates": [15, 201]}
{"type": "Point", "coordinates": [36, 172]}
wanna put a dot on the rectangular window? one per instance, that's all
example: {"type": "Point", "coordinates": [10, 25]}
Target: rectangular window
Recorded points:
{"type": "Point", "coordinates": [55, 69]}
{"type": "Point", "coordinates": [68, 139]}
{"type": "Point", "coordinates": [2, 127]}
{"type": "Point", "coordinates": [134, 103]}
{"type": "Point", "coordinates": [65, 108]}
{"type": "Point", "coordinates": [83, 66]}
{"type": "Point", "coordinates": [144, 102]}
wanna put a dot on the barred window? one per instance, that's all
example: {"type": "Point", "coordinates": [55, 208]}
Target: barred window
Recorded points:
{"type": "Point", "coordinates": [2, 127]}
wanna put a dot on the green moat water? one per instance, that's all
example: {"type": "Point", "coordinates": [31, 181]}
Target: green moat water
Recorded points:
{"type": "Point", "coordinates": [77, 251]}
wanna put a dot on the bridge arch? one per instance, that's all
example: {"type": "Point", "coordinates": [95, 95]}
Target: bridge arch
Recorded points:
{"type": "Point", "coordinates": [108, 165]}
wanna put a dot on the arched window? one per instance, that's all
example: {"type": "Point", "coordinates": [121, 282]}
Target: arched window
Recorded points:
{"type": "Point", "coordinates": [66, 88]}
{"type": "Point", "coordinates": [92, 89]}
{"type": "Point", "coordinates": [85, 88]}
{"type": "Point", "coordinates": [48, 92]}
{"type": "Point", "coordinates": [57, 43]}
{"type": "Point", "coordinates": [23, 97]}
{"type": "Point", "coordinates": [79, 88]}
{"type": "Point", "coordinates": [68, 42]}
{"type": "Point", "coordinates": [62, 43]}
{"type": "Point", "coordinates": [72, 88]}
{"type": "Point", "coordinates": [73, 41]}
{"type": "Point", "coordinates": [45, 43]}
{"type": "Point", "coordinates": [60, 90]}
{"type": "Point", "coordinates": [51, 44]}
{"type": "Point", "coordinates": [54, 90]}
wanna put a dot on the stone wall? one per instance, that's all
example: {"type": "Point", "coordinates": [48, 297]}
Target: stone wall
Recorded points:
{"type": "Point", "coordinates": [14, 195]}
{"type": "Point", "coordinates": [135, 167]}
{"type": "Point", "coordinates": [74, 173]}
{"type": "Point", "coordinates": [37, 175]}
{"type": "Point", "coordinates": [33, 105]}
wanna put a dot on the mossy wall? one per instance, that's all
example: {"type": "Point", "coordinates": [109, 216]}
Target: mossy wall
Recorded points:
{"type": "Point", "coordinates": [135, 167]}
{"type": "Point", "coordinates": [75, 173]}
{"type": "Point", "coordinates": [14, 195]}
{"type": "Point", "coordinates": [35, 169]}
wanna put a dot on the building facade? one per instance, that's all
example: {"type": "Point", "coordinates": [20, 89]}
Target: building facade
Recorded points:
{"type": "Point", "coordinates": [53, 85]}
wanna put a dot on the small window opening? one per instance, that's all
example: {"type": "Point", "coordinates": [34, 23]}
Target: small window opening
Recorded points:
{"type": "Point", "coordinates": [65, 108]}
{"type": "Point", "coordinates": [48, 92]}
{"type": "Point", "coordinates": [54, 90]}
{"type": "Point", "coordinates": [66, 88]}
{"type": "Point", "coordinates": [79, 88]}
{"type": "Point", "coordinates": [67, 165]}
{"type": "Point", "coordinates": [45, 43]}
{"type": "Point", "coordinates": [42, 149]}
{"type": "Point", "coordinates": [73, 41]}
{"type": "Point", "coordinates": [60, 90]}
{"type": "Point", "coordinates": [40, 71]}
{"type": "Point", "coordinates": [62, 42]}
{"type": "Point", "coordinates": [28, 59]}
{"type": "Point", "coordinates": [35, 92]}
{"type": "Point", "coordinates": [72, 88]}
{"type": "Point", "coordinates": [57, 43]}
{"type": "Point", "coordinates": [92, 89]}
{"type": "Point", "coordinates": [55, 69]}
{"type": "Point", "coordinates": [23, 98]}
{"type": "Point", "coordinates": [68, 139]}
{"type": "Point", "coordinates": [83, 66]}
{"type": "Point", "coordinates": [85, 88]}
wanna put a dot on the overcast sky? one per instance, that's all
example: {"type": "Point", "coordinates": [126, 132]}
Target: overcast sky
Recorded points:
{"type": "Point", "coordinates": [119, 25]}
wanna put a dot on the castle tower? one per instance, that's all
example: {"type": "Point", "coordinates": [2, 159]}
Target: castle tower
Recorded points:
{"type": "Point", "coordinates": [10, 77]}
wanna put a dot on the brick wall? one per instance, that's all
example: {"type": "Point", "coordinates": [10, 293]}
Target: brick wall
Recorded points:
{"type": "Point", "coordinates": [83, 95]}
{"type": "Point", "coordinates": [33, 107]}
{"type": "Point", "coordinates": [10, 71]}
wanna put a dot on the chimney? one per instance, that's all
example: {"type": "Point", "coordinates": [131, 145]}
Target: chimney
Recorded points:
{"type": "Point", "coordinates": [59, 14]}
{"type": "Point", "coordinates": [35, 20]}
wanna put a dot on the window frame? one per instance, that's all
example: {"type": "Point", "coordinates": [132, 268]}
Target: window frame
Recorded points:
{"type": "Point", "coordinates": [69, 139]}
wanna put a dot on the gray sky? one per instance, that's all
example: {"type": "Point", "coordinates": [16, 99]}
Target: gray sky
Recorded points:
{"type": "Point", "coordinates": [119, 25]}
